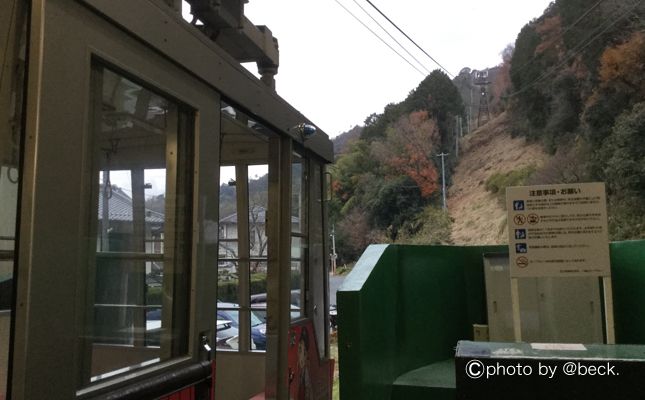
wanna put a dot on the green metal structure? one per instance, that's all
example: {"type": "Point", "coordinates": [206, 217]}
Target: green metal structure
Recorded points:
{"type": "Point", "coordinates": [403, 308]}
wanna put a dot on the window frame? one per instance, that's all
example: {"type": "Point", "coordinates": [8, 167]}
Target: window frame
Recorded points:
{"type": "Point", "coordinates": [244, 258]}
{"type": "Point", "coordinates": [176, 253]}
{"type": "Point", "coordinates": [54, 234]}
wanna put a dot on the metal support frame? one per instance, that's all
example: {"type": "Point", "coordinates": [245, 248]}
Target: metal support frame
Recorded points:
{"type": "Point", "coordinates": [243, 254]}
{"type": "Point", "coordinates": [189, 47]}
{"type": "Point", "coordinates": [279, 268]}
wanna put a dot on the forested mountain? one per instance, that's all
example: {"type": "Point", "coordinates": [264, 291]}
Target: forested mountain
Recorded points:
{"type": "Point", "coordinates": [387, 184]}
{"type": "Point", "coordinates": [577, 79]}
{"type": "Point", "coordinates": [573, 82]}
{"type": "Point", "coordinates": [343, 141]}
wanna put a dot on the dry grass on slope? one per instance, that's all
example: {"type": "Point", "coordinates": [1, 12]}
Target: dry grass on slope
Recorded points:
{"type": "Point", "coordinates": [478, 216]}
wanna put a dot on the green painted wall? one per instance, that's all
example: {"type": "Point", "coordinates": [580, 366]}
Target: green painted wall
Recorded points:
{"type": "Point", "coordinates": [367, 344]}
{"type": "Point", "coordinates": [628, 277]}
{"type": "Point", "coordinates": [403, 307]}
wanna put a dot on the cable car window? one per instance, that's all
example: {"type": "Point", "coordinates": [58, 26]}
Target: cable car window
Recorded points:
{"type": "Point", "coordinates": [298, 236]}
{"type": "Point", "coordinates": [228, 275]}
{"type": "Point", "coordinates": [228, 256]}
{"type": "Point", "coordinates": [11, 111]}
{"type": "Point", "coordinates": [258, 188]}
{"type": "Point", "coordinates": [140, 227]}
{"type": "Point", "coordinates": [317, 259]}
{"type": "Point", "coordinates": [9, 200]}
{"type": "Point", "coordinates": [258, 205]}
{"type": "Point", "coordinates": [243, 242]}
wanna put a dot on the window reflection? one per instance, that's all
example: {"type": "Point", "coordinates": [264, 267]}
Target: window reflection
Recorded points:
{"type": "Point", "coordinates": [258, 189]}
{"type": "Point", "coordinates": [298, 236]}
{"type": "Point", "coordinates": [12, 85]}
{"type": "Point", "coordinates": [243, 243]}
{"type": "Point", "coordinates": [141, 162]}
{"type": "Point", "coordinates": [8, 199]}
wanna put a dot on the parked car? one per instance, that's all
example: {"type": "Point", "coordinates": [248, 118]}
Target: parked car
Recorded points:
{"type": "Point", "coordinates": [258, 326]}
{"type": "Point", "coordinates": [259, 304]}
{"type": "Point", "coordinates": [227, 335]}
{"type": "Point", "coordinates": [333, 317]}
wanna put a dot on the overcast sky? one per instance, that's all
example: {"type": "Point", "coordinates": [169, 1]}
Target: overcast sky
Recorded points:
{"type": "Point", "coordinates": [336, 72]}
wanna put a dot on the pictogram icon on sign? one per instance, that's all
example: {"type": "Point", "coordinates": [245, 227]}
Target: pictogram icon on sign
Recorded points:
{"type": "Point", "coordinates": [522, 262]}
{"type": "Point", "coordinates": [533, 219]}
{"type": "Point", "coordinates": [519, 219]}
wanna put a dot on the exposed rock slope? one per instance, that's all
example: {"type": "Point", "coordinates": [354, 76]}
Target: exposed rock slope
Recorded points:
{"type": "Point", "coordinates": [478, 216]}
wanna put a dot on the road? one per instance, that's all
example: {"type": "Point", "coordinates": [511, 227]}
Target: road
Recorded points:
{"type": "Point", "coordinates": [334, 284]}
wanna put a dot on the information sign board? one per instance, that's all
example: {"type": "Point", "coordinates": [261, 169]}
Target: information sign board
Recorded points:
{"type": "Point", "coordinates": [558, 230]}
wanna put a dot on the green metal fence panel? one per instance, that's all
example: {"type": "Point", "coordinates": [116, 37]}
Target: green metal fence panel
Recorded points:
{"type": "Point", "coordinates": [405, 307]}
{"type": "Point", "coordinates": [628, 281]}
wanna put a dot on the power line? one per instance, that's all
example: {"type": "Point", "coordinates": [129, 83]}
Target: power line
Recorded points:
{"type": "Point", "coordinates": [409, 38]}
{"type": "Point", "coordinates": [392, 37]}
{"type": "Point", "coordinates": [443, 177]}
{"type": "Point", "coordinates": [575, 52]}
{"type": "Point", "coordinates": [380, 38]}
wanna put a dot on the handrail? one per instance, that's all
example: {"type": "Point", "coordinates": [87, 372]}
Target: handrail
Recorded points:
{"type": "Point", "coordinates": [130, 255]}
{"type": "Point", "coordinates": [160, 385]}
{"type": "Point", "coordinates": [152, 306]}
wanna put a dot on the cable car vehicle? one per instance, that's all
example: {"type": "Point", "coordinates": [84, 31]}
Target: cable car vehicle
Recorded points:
{"type": "Point", "coordinates": [145, 178]}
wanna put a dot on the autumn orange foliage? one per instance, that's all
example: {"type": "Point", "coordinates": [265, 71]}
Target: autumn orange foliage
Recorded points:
{"type": "Point", "coordinates": [409, 149]}
{"type": "Point", "coordinates": [550, 31]}
{"type": "Point", "coordinates": [624, 65]}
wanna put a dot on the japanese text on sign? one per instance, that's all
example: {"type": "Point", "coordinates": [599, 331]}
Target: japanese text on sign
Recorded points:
{"type": "Point", "coordinates": [558, 230]}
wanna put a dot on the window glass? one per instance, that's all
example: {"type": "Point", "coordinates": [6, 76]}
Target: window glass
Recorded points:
{"type": "Point", "coordinates": [140, 265]}
{"type": "Point", "coordinates": [8, 199]}
{"type": "Point", "coordinates": [243, 231]}
{"type": "Point", "coordinates": [228, 282]}
{"type": "Point", "coordinates": [297, 195]}
{"type": "Point", "coordinates": [11, 111]}
{"type": "Point", "coordinates": [228, 273]}
{"type": "Point", "coordinates": [228, 327]}
{"type": "Point", "coordinates": [298, 236]}
{"type": "Point", "coordinates": [258, 205]}
{"type": "Point", "coordinates": [227, 204]}
{"type": "Point", "coordinates": [317, 258]}
{"type": "Point", "coordinates": [258, 332]}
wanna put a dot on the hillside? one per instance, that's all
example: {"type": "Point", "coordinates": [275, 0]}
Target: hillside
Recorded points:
{"type": "Point", "coordinates": [571, 86]}
{"type": "Point", "coordinates": [345, 139]}
{"type": "Point", "coordinates": [477, 214]}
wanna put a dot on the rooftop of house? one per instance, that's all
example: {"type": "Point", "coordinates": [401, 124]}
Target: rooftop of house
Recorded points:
{"type": "Point", "coordinates": [120, 208]}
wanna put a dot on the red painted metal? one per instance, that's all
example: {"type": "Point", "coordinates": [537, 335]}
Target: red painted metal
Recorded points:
{"type": "Point", "coordinates": [185, 394]}
{"type": "Point", "coordinates": [309, 377]}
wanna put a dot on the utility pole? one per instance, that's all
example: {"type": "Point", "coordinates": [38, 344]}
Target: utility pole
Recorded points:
{"type": "Point", "coordinates": [333, 254]}
{"type": "Point", "coordinates": [470, 107]}
{"type": "Point", "coordinates": [456, 136]}
{"type": "Point", "coordinates": [443, 178]}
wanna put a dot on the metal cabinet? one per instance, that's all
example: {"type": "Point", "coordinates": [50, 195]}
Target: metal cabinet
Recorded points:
{"type": "Point", "coordinates": [551, 309]}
